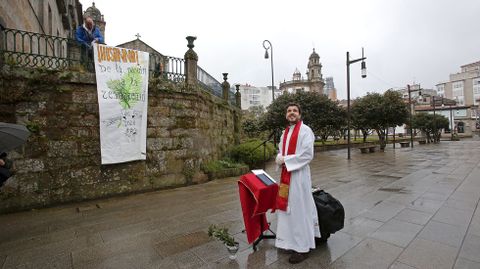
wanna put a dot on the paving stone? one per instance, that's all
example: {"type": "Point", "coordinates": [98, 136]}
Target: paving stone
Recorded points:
{"type": "Point", "coordinates": [404, 198]}
{"type": "Point", "coordinates": [466, 264]}
{"type": "Point", "coordinates": [414, 216]}
{"type": "Point", "coordinates": [383, 211]}
{"type": "Point", "coordinates": [397, 232]}
{"type": "Point", "coordinates": [427, 254]}
{"type": "Point", "coordinates": [337, 245]}
{"type": "Point", "coordinates": [426, 205]}
{"type": "Point", "coordinates": [471, 248]}
{"type": "Point", "coordinates": [62, 260]}
{"type": "Point", "coordinates": [443, 233]}
{"type": "Point", "coordinates": [362, 227]}
{"type": "Point", "coordinates": [475, 226]}
{"type": "Point", "coordinates": [181, 243]}
{"type": "Point", "coordinates": [453, 216]}
{"type": "Point", "coordinates": [399, 265]}
{"type": "Point", "coordinates": [465, 195]}
{"type": "Point", "coordinates": [434, 196]}
{"type": "Point", "coordinates": [366, 255]}
{"type": "Point", "coordinates": [460, 204]}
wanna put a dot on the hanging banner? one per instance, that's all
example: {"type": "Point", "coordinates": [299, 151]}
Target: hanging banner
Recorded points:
{"type": "Point", "coordinates": [122, 86]}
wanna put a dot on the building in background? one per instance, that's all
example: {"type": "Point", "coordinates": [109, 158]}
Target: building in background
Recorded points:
{"type": "Point", "coordinates": [464, 88]}
{"type": "Point", "coordinates": [256, 96]}
{"type": "Point", "coordinates": [330, 89]}
{"type": "Point", "coordinates": [49, 17]}
{"type": "Point", "coordinates": [314, 81]}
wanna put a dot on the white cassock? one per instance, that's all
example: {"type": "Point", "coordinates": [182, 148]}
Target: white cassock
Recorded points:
{"type": "Point", "coordinates": [298, 226]}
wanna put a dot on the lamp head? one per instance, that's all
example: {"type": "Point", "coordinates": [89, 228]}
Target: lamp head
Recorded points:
{"type": "Point", "coordinates": [364, 69]}
{"type": "Point", "coordinates": [266, 54]}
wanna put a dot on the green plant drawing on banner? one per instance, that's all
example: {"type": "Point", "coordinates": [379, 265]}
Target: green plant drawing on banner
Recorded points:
{"type": "Point", "coordinates": [128, 89]}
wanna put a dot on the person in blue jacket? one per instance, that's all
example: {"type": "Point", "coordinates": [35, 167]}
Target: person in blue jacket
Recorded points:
{"type": "Point", "coordinates": [88, 34]}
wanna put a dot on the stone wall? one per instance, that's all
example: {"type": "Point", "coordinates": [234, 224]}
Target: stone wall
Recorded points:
{"type": "Point", "coordinates": [61, 161]}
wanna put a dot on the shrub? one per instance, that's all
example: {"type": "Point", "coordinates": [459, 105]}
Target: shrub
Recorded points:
{"type": "Point", "coordinates": [251, 152]}
{"type": "Point", "coordinates": [218, 165]}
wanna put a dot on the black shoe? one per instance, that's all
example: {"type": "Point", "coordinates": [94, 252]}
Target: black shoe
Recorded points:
{"type": "Point", "coordinates": [320, 241]}
{"type": "Point", "coordinates": [297, 257]}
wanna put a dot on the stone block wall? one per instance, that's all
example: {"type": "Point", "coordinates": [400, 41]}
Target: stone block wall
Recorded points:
{"type": "Point", "coordinates": [61, 160]}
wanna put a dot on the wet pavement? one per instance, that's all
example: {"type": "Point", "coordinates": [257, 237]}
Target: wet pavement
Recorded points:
{"type": "Point", "coordinates": [405, 208]}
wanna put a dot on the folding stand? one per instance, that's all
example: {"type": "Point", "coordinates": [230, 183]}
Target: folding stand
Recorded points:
{"type": "Point", "coordinates": [263, 236]}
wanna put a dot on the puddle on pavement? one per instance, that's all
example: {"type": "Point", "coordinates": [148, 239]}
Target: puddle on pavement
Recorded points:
{"type": "Point", "coordinates": [181, 243]}
{"type": "Point", "coordinates": [391, 189]}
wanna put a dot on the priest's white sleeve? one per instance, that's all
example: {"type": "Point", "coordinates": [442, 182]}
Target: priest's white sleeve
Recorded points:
{"type": "Point", "coordinates": [304, 152]}
{"type": "Point", "coordinates": [280, 149]}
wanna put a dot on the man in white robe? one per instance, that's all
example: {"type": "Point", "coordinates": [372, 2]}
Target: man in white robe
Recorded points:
{"type": "Point", "coordinates": [298, 226]}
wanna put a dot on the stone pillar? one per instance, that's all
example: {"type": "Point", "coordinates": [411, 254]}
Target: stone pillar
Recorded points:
{"type": "Point", "coordinates": [238, 97]}
{"type": "Point", "coordinates": [225, 87]}
{"type": "Point", "coordinates": [191, 59]}
{"type": "Point", "coordinates": [237, 116]}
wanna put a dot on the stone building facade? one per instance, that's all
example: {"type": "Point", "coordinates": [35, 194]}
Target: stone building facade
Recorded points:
{"type": "Point", "coordinates": [464, 88]}
{"type": "Point", "coordinates": [314, 81]}
{"type": "Point", "coordinates": [50, 17]}
{"type": "Point", "coordinates": [330, 89]}
{"type": "Point", "coordinates": [157, 61]}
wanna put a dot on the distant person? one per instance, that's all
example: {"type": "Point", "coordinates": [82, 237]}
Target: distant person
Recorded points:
{"type": "Point", "coordinates": [297, 219]}
{"type": "Point", "coordinates": [5, 168]}
{"type": "Point", "coordinates": [88, 34]}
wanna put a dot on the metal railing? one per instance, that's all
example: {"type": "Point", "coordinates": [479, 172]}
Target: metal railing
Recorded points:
{"type": "Point", "coordinates": [36, 50]}
{"type": "Point", "coordinates": [29, 49]}
{"type": "Point", "coordinates": [208, 82]}
{"type": "Point", "coordinates": [168, 67]}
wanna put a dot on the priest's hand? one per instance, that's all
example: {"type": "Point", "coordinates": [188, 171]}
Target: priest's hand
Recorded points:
{"type": "Point", "coordinates": [280, 160]}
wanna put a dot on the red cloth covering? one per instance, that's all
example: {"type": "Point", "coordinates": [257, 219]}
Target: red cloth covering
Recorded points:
{"type": "Point", "coordinates": [256, 198]}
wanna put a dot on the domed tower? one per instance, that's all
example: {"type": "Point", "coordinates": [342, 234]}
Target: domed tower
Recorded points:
{"type": "Point", "coordinates": [97, 17]}
{"type": "Point", "coordinates": [315, 73]}
{"type": "Point", "coordinates": [296, 75]}
{"type": "Point", "coordinates": [314, 67]}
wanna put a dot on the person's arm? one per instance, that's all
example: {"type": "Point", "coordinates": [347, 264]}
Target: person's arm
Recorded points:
{"type": "Point", "coordinates": [304, 152]}
{"type": "Point", "coordinates": [98, 36]}
{"type": "Point", "coordinates": [279, 158]}
{"type": "Point", "coordinates": [81, 37]}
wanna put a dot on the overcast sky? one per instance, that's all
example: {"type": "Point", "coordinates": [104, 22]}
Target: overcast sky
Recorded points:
{"type": "Point", "coordinates": [405, 41]}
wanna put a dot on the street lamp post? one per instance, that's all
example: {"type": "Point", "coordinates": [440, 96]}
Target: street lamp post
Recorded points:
{"type": "Point", "coordinates": [451, 123]}
{"type": "Point", "coordinates": [434, 121]}
{"type": "Point", "coordinates": [268, 46]}
{"type": "Point", "coordinates": [364, 75]}
{"type": "Point", "coordinates": [411, 116]}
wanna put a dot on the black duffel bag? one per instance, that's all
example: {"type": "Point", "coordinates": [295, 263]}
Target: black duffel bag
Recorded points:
{"type": "Point", "coordinates": [331, 214]}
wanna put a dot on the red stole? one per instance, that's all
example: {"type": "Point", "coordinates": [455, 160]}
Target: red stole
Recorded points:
{"type": "Point", "coordinates": [282, 197]}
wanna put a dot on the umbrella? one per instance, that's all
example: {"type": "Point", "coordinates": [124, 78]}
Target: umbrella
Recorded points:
{"type": "Point", "coordinates": [12, 136]}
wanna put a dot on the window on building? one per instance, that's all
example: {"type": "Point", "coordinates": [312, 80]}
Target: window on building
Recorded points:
{"type": "Point", "coordinates": [50, 21]}
{"type": "Point", "coordinates": [40, 13]}
{"type": "Point", "coordinates": [476, 91]}
{"type": "Point", "coordinates": [460, 100]}
{"type": "Point", "coordinates": [461, 127]}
